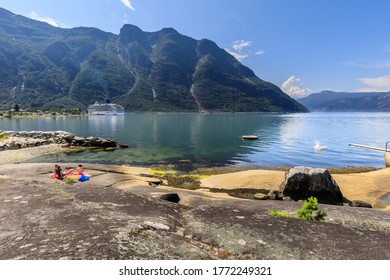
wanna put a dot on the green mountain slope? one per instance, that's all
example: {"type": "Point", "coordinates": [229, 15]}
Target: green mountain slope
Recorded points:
{"type": "Point", "coordinates": [42, 66]}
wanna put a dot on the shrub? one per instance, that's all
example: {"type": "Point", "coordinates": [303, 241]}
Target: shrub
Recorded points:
{"type": "Point", "coordinates": [308, 209]}
{"type": "Point", "coordinates": [310, 206]}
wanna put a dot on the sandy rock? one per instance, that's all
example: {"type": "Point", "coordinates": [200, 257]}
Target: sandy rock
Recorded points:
{"type": "Point", "coordinates": [260, 196]}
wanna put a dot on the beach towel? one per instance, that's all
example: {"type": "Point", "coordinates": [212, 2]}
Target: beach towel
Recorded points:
{"type": "Point", "coordinates": [76, 177]}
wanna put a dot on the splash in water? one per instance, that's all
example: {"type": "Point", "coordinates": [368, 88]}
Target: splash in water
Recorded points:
{"type": "Point", "coordinates": [318, 147]}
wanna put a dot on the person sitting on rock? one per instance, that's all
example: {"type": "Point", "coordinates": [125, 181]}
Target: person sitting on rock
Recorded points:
{"type": "Point", "coordinates": [80, 169]}
{"type": "Point", "coordinates": [58, 172]}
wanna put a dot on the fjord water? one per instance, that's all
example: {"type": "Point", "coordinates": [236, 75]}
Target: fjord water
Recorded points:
{"type": "Point", "coordinates": [313, 139]}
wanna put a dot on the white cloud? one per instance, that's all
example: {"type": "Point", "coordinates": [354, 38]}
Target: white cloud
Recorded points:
{"type": "Point", "coordinates": [238, 56]}
{"type": "Point", "coordinates": [51, 21]}
{"type": "Point", "coordinates": [240, 44]}
{"type": "Point", "coordinates": [294, 87]}
{"type": "Point", "coordinates": [259, 53]}
{"type": "Point", "coordinates": [238, 49]}
{"type": "Point", "coordinates": [128, 4]}
{"type": "Point", "coordinates": [376, 84]}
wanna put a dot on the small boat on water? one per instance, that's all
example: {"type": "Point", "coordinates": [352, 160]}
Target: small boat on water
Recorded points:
{"type": "Point", "coordinates": [107, 108]}
{"type": "Point", "coordinates": [250, 137]}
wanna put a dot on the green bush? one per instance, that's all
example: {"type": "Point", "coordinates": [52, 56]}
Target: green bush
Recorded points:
{"type": "Point", "coordinates": [309, 211]}
{"type": "Point", "coordinates": [310, 208]}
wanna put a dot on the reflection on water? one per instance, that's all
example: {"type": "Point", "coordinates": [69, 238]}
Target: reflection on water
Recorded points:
{"type": "Point", "coordinates": [284, 139]}
{"type": "Point", "coordinates": [106, 125]}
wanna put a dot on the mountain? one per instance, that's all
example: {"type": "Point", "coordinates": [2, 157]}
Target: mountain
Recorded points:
{"type": "Point", "coordinates": [329, 101]}
{"type": "Point", "coordinates": [42, 66]}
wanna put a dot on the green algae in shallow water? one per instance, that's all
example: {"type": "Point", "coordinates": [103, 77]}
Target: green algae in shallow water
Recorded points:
{"type": "Point", "coordinates": [4, 137]}
{"type": "Point", "coordinates": [162, 172]}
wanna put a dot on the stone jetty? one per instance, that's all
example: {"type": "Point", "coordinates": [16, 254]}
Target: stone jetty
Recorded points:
{"type": "Point", "coordinates": [25, 139]}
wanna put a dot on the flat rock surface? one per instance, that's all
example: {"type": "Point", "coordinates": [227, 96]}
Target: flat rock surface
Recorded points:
{"type": "Point", "coordinates": [116, 215]}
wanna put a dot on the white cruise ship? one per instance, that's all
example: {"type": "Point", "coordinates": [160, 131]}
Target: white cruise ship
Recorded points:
{"type": "Point", "coordinates": [105, 109]}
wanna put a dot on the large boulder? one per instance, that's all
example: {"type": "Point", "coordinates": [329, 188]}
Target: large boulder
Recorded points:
{"type": "Point", "coordinates": [303, 182]}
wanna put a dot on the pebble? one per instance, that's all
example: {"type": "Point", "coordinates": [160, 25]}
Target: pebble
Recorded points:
{"type": "Point", "coordinates": [156, 225]}
{"type": "Point", "coordinates": [242, 242]}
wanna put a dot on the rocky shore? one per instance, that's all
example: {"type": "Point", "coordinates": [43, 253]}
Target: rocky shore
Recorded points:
{"type": "Point", "coordinates": [25, 139]}
{"type": "Point", "coordinates": [127, 212]}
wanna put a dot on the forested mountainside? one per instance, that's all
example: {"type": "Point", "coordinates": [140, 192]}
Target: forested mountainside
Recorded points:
{"type": "Point", "coordinates": [42, 66]}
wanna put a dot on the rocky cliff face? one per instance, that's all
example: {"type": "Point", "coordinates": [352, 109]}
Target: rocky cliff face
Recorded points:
{"type": "Point", "coordinates": [162, 71]}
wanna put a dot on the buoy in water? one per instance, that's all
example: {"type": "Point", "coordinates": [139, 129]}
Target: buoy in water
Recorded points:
{"type": "Point", "coordinates": [249, 137]}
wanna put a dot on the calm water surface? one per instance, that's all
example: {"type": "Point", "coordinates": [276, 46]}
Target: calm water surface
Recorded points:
{"type": "Point", "coordinates": [315, 139]}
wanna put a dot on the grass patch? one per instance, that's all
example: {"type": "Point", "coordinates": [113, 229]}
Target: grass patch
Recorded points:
{"type": "Point", "coordinates": [161, 172]}
{"type": "Point", "coordinates": [4, 136]}
{"type": "Point", "coordinates": [197, 176]}
{"type": "Point", "coordinates": [69, 181]}
{"type": "Point", "coordinates": [283, 214]}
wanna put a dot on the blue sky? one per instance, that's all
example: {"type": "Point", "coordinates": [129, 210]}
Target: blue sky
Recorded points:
{"type": "Point", "coordinates": [302, 46]}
